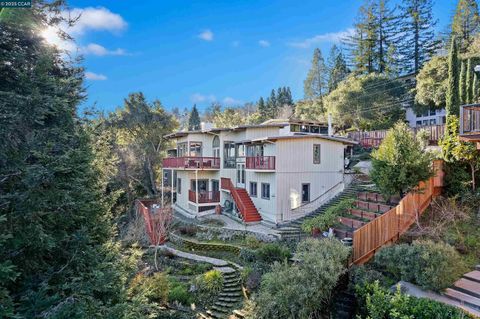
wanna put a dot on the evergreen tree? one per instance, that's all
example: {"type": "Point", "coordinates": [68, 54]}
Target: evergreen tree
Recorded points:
{"type": "Point", "coordinates": [338, 69]}
{"type": "Point", "coordinates": [272, 105]}
{"type": "Point", "coordinates": [262, 109]}
{"type": "Point", "coordinates": [315, 84]}
{"type": "Point", "coordinates": [452, 98]}
{"type": "Point", "coordinates": [462, 92]}
{"type": "Point", "coordinates": [466, 23]}
{"type": "Point", "coordinates": [475, 88]}
{"type": "Point", "coordinates": [387, 36]}
{"type": "Point", "coordinates": [289, 97]}
{"type": "Point", "coordinates": [194, 119]}
{"type": "Point", "coordinates": [281, 97]}
{"type": "Point", "coordinates": [418, 26]}
{"type": "Point", "coordinates": [469, 83]}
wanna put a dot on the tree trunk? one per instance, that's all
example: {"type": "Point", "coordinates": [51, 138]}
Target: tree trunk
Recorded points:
{"type": "Point", "coordinates": [472, 168]}
{"type": "Point", "coordinates": [151, 176]}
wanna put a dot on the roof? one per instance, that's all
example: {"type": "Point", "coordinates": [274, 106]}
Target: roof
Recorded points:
{"type": "Point", "coordinates": [320, 136]}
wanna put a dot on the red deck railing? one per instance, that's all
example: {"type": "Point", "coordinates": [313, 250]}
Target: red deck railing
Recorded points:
{"type": "Point", "coordinates": [192, 162]}
{"type": "Point", "coordinates": [204, 197]}
{"type": "Point", "coordinates": [260, 162]}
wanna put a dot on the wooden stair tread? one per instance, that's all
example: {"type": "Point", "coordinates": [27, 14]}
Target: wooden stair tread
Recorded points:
{"type": "Point", "coordinates": [473, 275]}
{"type": "Point", "coordinates": [468, 286]}
{"type": "Point", "coordinates": [462, 297]}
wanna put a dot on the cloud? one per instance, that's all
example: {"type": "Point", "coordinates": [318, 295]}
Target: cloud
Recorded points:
{"type": "Point", "coordinates": [331, 37]}
{"type": "Point", "coordinates": [199, 98]}
{"type": "Point", "coordinates": [97, 19]}
{"type": "Point", "coordinates": [206, 35]}
{"type": "Point", "coordinates": [230, 101]}
{"type": "Point", "coordinates": [264, 43]}
{"type": "Point", "coordinates": [97, 49]}
{"type": "Point", "coordinates": [94, 76]}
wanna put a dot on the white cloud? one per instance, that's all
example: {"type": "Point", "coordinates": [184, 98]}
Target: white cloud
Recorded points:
{"type": "Point", "coordinates": [97, 19]}
{"type": "Point", "coordinates": [94, 76]}
{"type": "Point", "coordinates": [263, 43]}
{"type": "Point", "coordinates": [331, 37]}
{"type": "Point", "coordinates": [97, 49]}
{"type": "Point", "coordinates": [230, 101]}
{"type": "Point", "coordinates": [206, 35]}
{"type": "Point", "coordinates": [199, 98]}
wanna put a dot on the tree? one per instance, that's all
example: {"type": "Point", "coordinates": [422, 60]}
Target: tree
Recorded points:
{"type": "Point", "coordinates": [455, 150]}
{"type": "Point", "coordinates": [432, 83]}
{"type": "Point", "coordinates": [310, 110]}
{"type": "Point", "coordinates": [370, 101]}
{"type": "Point", "coordinates": [418, 27]}
{"type": "Point", "coordinates": [400, 162]}
{"type": "Point", "coordinates": [262, 109]}
{"type": "Point", "coordinates": [315, 84]}
{"type": "Point", "coordinates": [337, 67]}
{"type": "Point", "coordinates": [462, 83]}
{"type": "Point", "coordinates": [272, 105]}
{"type": "Point", "coordinates": [475, 88]}
{"type": "Point", "coordinates": [466, 23]}
{"type": "Point", "coordinates": [229, 117]}
{"type": "Point", "coordinates": [194, 119]}
{"type": "Point", "coordinates": [452, 104]}
{"type": "Point", "coordinates": [469, 83]}
{"type": "Point", "coordinates": [57, 254]}
{"type": "Point", "coordinates": [387, 35]}
{"type": "Point", "coordinates": [304, 289]}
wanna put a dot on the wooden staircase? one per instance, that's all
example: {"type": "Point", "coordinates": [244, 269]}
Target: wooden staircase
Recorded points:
{"type": "Point", "coordinates": [242, 200]}
{"type": "Point", "coordinates": [467, 290]}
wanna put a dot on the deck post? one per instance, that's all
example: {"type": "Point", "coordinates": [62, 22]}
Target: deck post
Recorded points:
{"type": "Point", "coordinates": [196, 187]}
{"type": "Point", "coordinates": [163, 186]}
{"type": "Point", "coordinates": [171, 189]}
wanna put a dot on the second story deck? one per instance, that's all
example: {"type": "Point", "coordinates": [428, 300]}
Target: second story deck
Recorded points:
{"type": "Point", "coordinates": [192, 162]}
{"type": "Point", "coordinates": [470, 123]}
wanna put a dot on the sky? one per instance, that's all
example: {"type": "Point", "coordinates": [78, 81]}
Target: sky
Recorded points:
{"type": "Point", "coordinates": [186, 52]}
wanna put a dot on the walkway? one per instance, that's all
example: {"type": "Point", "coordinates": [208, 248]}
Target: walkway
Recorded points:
{"type": "Point", "coordinates": [213, 261]}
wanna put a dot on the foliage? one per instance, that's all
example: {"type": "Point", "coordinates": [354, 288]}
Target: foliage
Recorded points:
{"type": "Point", "coordinates": [466, 23]}
{"type": "Point", "coordinates": [432, 81]}
{"type": "Point", "coordinates": [452, 96]}
{"type": "Point", "coordinates": [378, 302]}
{"type": "Point", "coordinates": [337, 68]}
{"type": "Point", "coordinates": [355, 104]}
{"type": "Point", "coordinates": [251, 278]}
{"type": "Point", "coordinates": [209, 286]}
{"type": "Point", "coordinates": [178, 292]}
{"type": "Point", "coordinates": [310, 110]}
{"type": "Point", "coordinates": [400, 162]}
{"type": "Point", "coordinates": [155, 288]}
{"type": "Point", "coordinates": [272, 252]}
{"type": "Point", "coordinates": [228, 118]}
{"type": "Point", "coordinates": [315, 85]}
{"type": "Point", "coordinates": [194, 119]}
{"type": "Point", "coordinates": [252, 242]}
{"type": "Point", "coordinates": [329, 217]}
{"type": "Point", "coordinates": [302, 290]}
{"type": "Point", "coordinates": [431, 265]}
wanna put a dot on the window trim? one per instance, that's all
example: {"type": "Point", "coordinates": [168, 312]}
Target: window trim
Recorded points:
{"type": "Point", "coordinates": [303, 184]}
{"type": "Point", "coordinates": [319, 160]}
{"type": "Point", "coordinates": [264, 187]}
{"type": "Point", "coordinates": [256, 189]}
{"type": "Point", "coordinates": [179, 185]}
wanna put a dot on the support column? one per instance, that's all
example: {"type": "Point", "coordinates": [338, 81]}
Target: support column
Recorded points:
{"type": "Point", "coordinates": [171, 192]}
{"type": "Point", "coordinates": [196, 188]}
{"type": "Point", "coordinates": [163, 186]}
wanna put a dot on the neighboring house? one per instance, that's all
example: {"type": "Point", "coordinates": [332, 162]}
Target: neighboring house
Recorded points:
{"type": "Point", "coordinates": [428, 118]}
{"type": "Point", "coordinates": [470, 123]}
{"type": "Point", "coordinates": [273, 172]}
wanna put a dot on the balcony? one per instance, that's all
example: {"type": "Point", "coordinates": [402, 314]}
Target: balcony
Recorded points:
{"type": "Point", "coordinates": [260, 162]}
{"type": "Point", "coordinates": [470, 123]}
{"type": "Point", "coordinates": [204, 197]}
{"type": "Point", "coordinates": [192, 162]}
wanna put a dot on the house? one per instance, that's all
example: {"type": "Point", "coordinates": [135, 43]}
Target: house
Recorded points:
{"type": "Point", "coordinates": [273, 172]}
{"type": "Point", "coordinates": [470, 123]}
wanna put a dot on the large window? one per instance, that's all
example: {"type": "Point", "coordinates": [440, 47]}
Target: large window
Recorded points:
{"type": "Point", "coordinates": [202, 185]}
{"type": "Point", "coordinates": [182, 149]}
{"type": "Point", "coordinates": [195, 149]}
{"type": "Point", "coordinates": [255, 150]}
{"type": "Point", "coordinates": [317, 153]}
{"type": "Point", "coordinates": [216, 146]}
{"type": "Point", "coordinates": [253, 189]}
{"type": "Point", "coordinates": [229, 160]}
{"type": "Point", "coordinates": [179, 185]}
{"type": "Point", "coordinates": [265, 191]}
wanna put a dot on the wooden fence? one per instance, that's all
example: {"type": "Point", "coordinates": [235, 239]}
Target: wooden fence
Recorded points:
{"type": "Point", "coordinates": [374, 138]}
{"type": "Point", "coordinates": [388, 227]}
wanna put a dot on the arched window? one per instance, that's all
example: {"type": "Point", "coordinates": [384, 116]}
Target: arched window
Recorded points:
{"type": "Point", "coordinates": [216, 146]}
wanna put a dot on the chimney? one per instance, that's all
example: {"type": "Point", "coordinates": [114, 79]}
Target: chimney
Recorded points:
{"type": "Point", "coordinates": [330, 128]}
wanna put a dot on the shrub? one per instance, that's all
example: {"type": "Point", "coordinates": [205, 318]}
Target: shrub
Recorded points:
{"type": "Point", "coordinates": [179, 293]}
{"type": "Point", "coordinates": [247, 255]}
{"type": "Point", "coordinates": [302, 290]}
{"type": "Point", "coordinates": [252, 242]}
{"type": "Point", "coordinates": [377, 302]}
{"type": "Point", "coordinates": [271, 252]}
{"type": "Point", "coordinates": [430, 265]}
{"type": "Point", "coordinates": [188, 230]}
{"type": "Point", "coordinates": [155, 288]}
{"type": "Point", "coordinates": [329, 217]}
{"type": "Point", "coordinates": [251, 278]}
{"type": "Point", "coordinates": [209, 286]}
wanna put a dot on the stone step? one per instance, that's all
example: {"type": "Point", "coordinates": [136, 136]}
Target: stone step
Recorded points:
{"type": "Point", "coordinates": [473, 276]}
{"type": "Point", "coordinates": [231, 289]}
{"type": "Point", "coordinates": [201, 315]}
{"type": "Point", "coordinates": [221, 309]}
{"type": "Point", "coordinates": [230, 294]}
{"type": "Point", "coordinates": [468, 287]}
{"type": "Point", "coordinates": [231, 284]}
{"type": "Point", "coordinates": [215, 314]}
{"type": "Point", "coordinates": [224, 304]}
{"type": "Point", "coordinates": [463, 298]}
{"type": "Point", "coordinates": [229, 299]}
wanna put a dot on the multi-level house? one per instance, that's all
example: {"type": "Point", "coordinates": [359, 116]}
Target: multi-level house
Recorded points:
{"type": "Point", "coordinates": [272, 172]}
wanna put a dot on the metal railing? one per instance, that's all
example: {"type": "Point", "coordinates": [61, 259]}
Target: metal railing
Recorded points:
{"type": "Point", "coordinates": [204, 197]}
{"type": "Point", "coordinates": [470, 119]}
{"type": "Point", "coordinates": [260, 162]}
{"type": "Point", "coordinates": [192, 162]}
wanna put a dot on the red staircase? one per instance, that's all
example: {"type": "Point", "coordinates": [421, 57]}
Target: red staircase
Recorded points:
{"type": "Point", "coordinates": [243, 201]}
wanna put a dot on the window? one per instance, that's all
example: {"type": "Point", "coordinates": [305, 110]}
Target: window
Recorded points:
{"type": "Point", "coordinates": [433, 122]}
{"type": "Point", "coordinates": [419, 123]}
{"type": "Point", "coordinates": [316, 154]}
{"type": "Point", "coordinates": [265, 191]}
{"type": "Point", "coordinates": [305, 193]}
{"type": "Point", "coordinates": [314, 129]}
{"type": "Point", "coordinates": [229, 155]}
{"type": "Point", "coordinates": [216, 146]}
{"type": "Point", "coordinates": [202, 185]}
{"type": "Point", "coordinates": [181, 149]}
{"type": "Point", "coordinates": [179, 185]}
{"type": "Point", "coordinates": [255, 150]}
{"type": "Point", "coordinates": [253, 189]}
{"type": "Point", "coordinates": [240, 150]}
{"type": "Point", "coordinates": [195, 149]}
{"type": "Point", "coordinates": [432, 112]}
{"type": "Point", "coordinates": [294, 128]}
{"type": "Point", "coordinates": [215, 185]}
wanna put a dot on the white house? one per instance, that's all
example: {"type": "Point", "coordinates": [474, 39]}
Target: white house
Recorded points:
{"type": "Point", "coordinates": [273, 172]}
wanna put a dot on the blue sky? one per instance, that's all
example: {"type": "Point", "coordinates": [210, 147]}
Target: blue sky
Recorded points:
{"type": "Point", "coordinates": [185, 52]}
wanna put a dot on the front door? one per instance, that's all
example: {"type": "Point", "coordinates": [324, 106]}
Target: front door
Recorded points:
{"type": "Point", "coordinates": [241, 175]}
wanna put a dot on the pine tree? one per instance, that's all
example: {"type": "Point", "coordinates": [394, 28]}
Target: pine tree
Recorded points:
{"type": "Point", "coordinates": [280, 97]}
{"type": "Point", "coordinates": [262, 109]}
{"type": "Point", "coordinates": [315, 84]}
{"type": "Point", "coordinates": [469, 83]}
{"type": "Point", "coordinates": [452, 98]}
{"type": "Point", "coordinates": [387, 36]}
{"type": "Point", "coordinates": [466, 23]}
{"type": "Point", "coordinates": [462, 92]}
{"type": "Point", "coordinates": [475, 88]}
{"type": "Point", "coordinates": [272, 104]}
{"type": "Point", "coordinates": [289, 96]}
{"type": "Point", "coordinates": [194, 119]}
{"type": "Point", "coordinates": [338, 69]}
{"type": "Point", "coordinates": [418, 26]}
